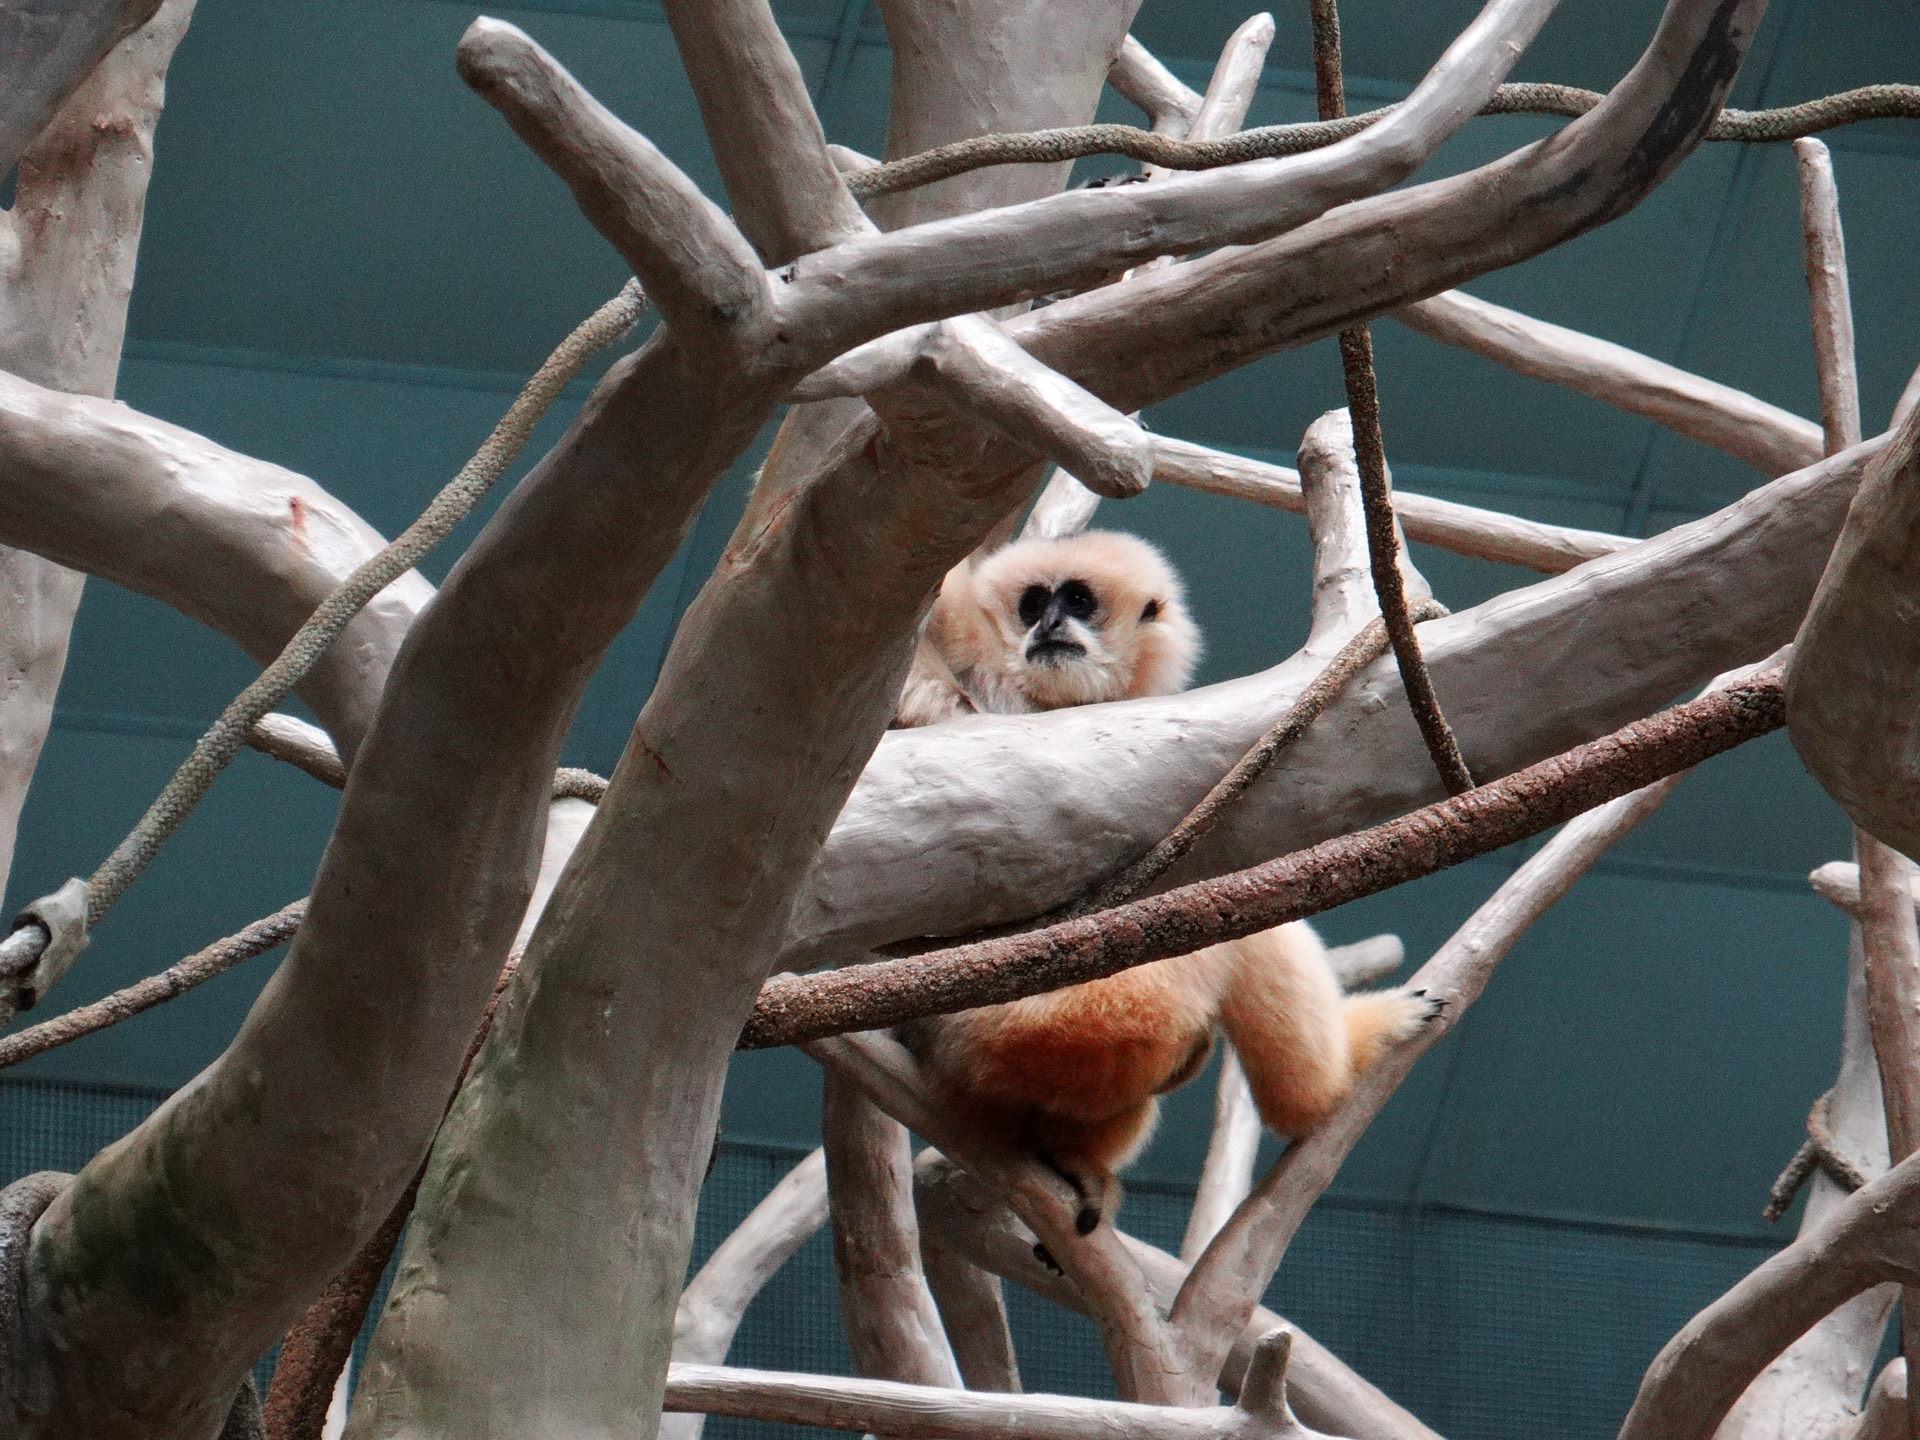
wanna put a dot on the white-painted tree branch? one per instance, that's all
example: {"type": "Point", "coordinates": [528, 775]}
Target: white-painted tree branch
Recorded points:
{"type": "Point", "coordinates": [1813, 1387]}
{"type": "Point", "coordinates": [1772, 440]}
{"type": "Point", "coordinates": [915, 1412]}
{"type": "Point", "coordinates": [1228, 1279]}
{"type": "Point", "coordinates": [1365, 961]}
{"type": "Point", "coordinates": [715, 1300]}
{"type": "Point", "coordinates": [1170, 105]}
{"type": "Point", "coordinates": [1236, 79]}
{"type": "Point", "coordinates": [1067, 241]}
{"type": "Point", "coordinates": [1445, 524]}
{"type": "Point", "coordinates": [1226, 1176]}
{"type": "Point", "coordinates": [1853, 690]}
{"type": "Point", "coordinates": [83, 140]}
{"type": "Point", "coordinates": [305, 747]}
{"type": "Point", "coordinates": [787, 193]}
{"type": "Point", "coordinates": [1826, 262]}
{"type": "Point", "coordinates": [51, 49]}
{"type": "Point", "coordinates": [700, 271]}
{"type": "Point", "coordinates": [1327, 1393]}
{"type": "Point", "coordinates": [1838, 882]}
{"type": "Point", "coordinates": [244, 547]}
{"type": "Point", "coordinates": [1173, 329]}
{"type": "Point", "coordinates": [996, 818]}
{"type": "Point", "coordinates": [1106, 1277]}
{"type": "Point", "coordinates": [973, 1310]}
{"type": "Point", "coordinates": [1872, 1237]}
{"type": "Point", "coordinates": [887, 1314]}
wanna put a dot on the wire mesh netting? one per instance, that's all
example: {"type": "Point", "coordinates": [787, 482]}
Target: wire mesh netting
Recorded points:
{"type": "Point", "coordinates": [1486, 1326]}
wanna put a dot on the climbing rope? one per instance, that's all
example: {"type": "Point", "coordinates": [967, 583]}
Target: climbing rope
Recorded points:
{"type": "Point", "coordinates": [1077, 142]}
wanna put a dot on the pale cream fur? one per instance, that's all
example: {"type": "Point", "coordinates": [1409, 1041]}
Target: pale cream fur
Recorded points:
{"type": "Point", "coordinates": [975, 652]}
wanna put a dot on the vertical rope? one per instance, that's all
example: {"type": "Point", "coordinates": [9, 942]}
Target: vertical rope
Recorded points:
{"type": "Point", "coordinates": [1363, 406]}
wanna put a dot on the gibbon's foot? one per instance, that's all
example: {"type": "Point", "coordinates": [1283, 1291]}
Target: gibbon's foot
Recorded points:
{"type": "Point", "coordinates": [1087, 1219]}
{"type": "Point", "coordinates": [1435, 1008]}
{"type": "Point", "coordinates": [1045, 1257]}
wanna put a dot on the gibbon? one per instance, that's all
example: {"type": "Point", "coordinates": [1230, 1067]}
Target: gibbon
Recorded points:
{"type": "Point", "coordinates": [1073, 1075]}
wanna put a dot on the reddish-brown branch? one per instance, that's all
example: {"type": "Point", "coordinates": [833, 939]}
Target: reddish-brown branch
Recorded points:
{"type": "Point", "coordinates": [793, 1008]}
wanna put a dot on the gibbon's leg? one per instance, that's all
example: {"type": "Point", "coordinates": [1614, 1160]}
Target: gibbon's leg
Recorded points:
{"type": "Point", "coordinates": [1301, 1042]}
{"type": "Point", "coordinates": [1071, 1075]}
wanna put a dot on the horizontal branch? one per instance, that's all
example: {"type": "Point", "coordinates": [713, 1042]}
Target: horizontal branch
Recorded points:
{"type": "Point", "coordinates": [1772, 440]}
{"type": "Point", "coordinates": [245, 547]}
{"type": "Point", "coordinates": [866, 997]}
{"type": "Point", "coordinates": [1463, 529]}
{"type": "Point", "coordinates": [994, 819]}
{"type": "Point", "coordinates": [921, 1412]}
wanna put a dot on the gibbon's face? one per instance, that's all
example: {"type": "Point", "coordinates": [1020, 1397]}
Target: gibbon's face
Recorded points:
{"type": "Point", "coordinates": [1097, 616]}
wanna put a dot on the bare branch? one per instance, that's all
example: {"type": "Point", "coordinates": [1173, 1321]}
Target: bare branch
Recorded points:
{"type": "Point", "coordinates": [1463, 529]}
{"type": "Point", "coordinates": [983, 371]}
{"type": "Point", "coordinates": [1236, 79]}
{"type": "Point", "coordinates": [1327, 1393]}
{"type": "Point", "coordinates": [1137, 344]}
{"type": "Point", "coordinates": [1366, 961]}
{"type": "Point", "coordinates": [915, 1412]}
{"type": "Point", "coordinates": [303, 746]}
{"type": "Point", "coordinates": [1109, 1281]}
{"type": "Point", "coordinates": [51, 50]}
{"type": "Point", "coordinates": [788, 197]}
{"type": "Point", "coordinates": [1872, 1237]}
{"type": "Point", "coordinates": [887, 1313]}
{"type": "Point", "coordinates": [1826, 258]}
{"type": "Point", "coordinates": [715, 1300]}
{"type": "Point", "coordinates": [1169, 104]}
{"type": "Point", "coordinates": [863, 997]}
{"type": "Point", "coordinates": [1065, 507]}
{"type": "Point", "coordinates": [1839, 882]}
{"type": "Point", "coordinates": [973, 1310]}
{"type": "Point", "coordinates": [975, 261]}
{"type": "Point", "coordinates": [1772, 440]}
{"type": "Point", "coordinates": [242, 546]}
{"type": "Point", "coordinates": [1226, 1177]}
{"type": "Point", "coordinates": [1228, 1279]}
{"type": "Point", "coordinates": [692, 263]}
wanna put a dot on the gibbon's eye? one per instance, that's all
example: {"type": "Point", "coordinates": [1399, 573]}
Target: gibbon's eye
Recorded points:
{"type": "Point", "coordinates": [1077, 599]}
{"type": "Point", "coordinates": [1033, 603]}
{"type": "Point", "coordinates": [1150, 611]}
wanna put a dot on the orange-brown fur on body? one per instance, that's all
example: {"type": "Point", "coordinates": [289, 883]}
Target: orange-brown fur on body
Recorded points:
{"type": "Point", "coordinates": [1074, 1075]}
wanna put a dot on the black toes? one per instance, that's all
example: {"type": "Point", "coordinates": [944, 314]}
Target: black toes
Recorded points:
{"type": "Point", "coordinates": [1087, 1221]}
{"type": "Point", "coordinates": [1045, 1257]}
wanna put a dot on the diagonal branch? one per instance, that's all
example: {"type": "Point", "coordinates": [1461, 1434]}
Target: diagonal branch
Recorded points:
{"type": "Point", "coordinates": [1169, 104]}
{"type": "Point", "coordinates": [692, 263]}
{"type": "Point", "coordinates": [788, 197]}
{"type": "Point", "coordinates": [1080, 238]}
{"type": "Point", "coordinates": [1872, 1236]}
{"type": "Point", "coordinates": [1772, 440]}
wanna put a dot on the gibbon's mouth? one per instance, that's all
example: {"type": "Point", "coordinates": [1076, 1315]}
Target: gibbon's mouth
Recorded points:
{"type": "Point", "coordinates": [1055, 652]}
